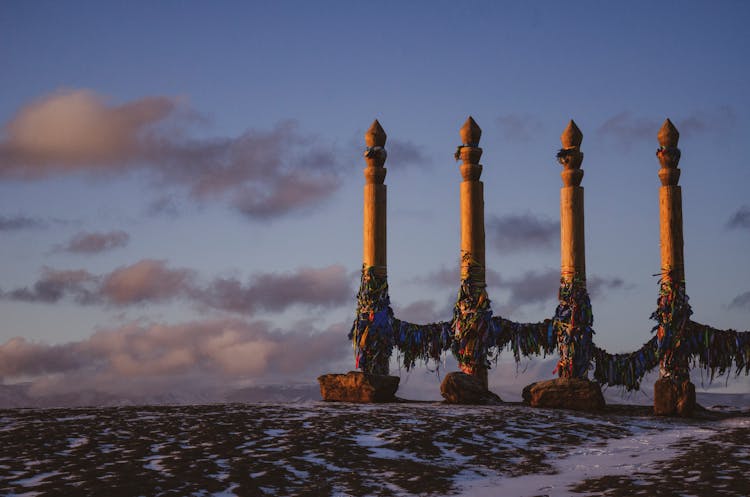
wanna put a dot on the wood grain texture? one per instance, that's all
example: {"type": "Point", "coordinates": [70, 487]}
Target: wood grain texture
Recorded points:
{"type": "Point", "coordinates": [374, 227]}
{"type": "Point", "coordinates": [572, 236]}
{"type": "Point", "coordinates": [472, 228]}
{"type": "Point", "coordinates": [670, 227]}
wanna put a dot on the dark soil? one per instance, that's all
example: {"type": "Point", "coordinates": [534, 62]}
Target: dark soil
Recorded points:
{"type": "Point", "coordinates": [340, 449]}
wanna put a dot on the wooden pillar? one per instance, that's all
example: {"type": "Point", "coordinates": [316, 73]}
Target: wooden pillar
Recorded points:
{"type": "Point", "coordinates": [573, 318]}
{"type": "Point", "coordinates": [472, 205]}
{"type": "Point", "coordinates": [375, 202]}
{"type": "Point", "coordinates": [472, 220]}
{"type": "Point", "coordinates": [373, 333]}
{"type": "Point", "coordinates": [572, 238]}
{"type": "Point", "coordinates": [673, 391]}
{"type": "Point", "coordinates": [670, 205]}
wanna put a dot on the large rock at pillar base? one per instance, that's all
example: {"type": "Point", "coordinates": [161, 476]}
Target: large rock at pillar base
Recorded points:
{"type": "Point", "coordinates": [356, 386]}
{"type": "Point", "coordinates": [565, 393]}
{"type": "Point", "coordinates": [460, 388]}
{"type": "Point", "coordinates": [674, 398]}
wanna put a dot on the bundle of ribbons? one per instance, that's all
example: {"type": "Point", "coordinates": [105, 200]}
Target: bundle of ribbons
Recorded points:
{"type": "Point", "coordinates": [706, 347]}
{"type": "Point", "coordinates": [476, 337]}
{"type": "Point", "coordinates": [472, 321]}
{"type": "Point", "coordinates": [671, 316]}
{"type": "Point", "coordinates": [573, 325]}
{"type": "Point", "coordinates": [524, 339]}
{"type": "Point", "coordinates": [421, 342]}
{"type": "Point", "coordinates": [716, 350]}
{"type": "Point", "coordinates": [372, 331]}
{"type": "Point", "coordinates": [678, 342]}
{"type": "Point", "coordinates": [625, 369]}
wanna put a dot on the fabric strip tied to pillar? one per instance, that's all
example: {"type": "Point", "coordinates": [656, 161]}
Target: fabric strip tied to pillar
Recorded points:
{"type": "Point", "coordinates": [573, 323]}
{"type": "Point", "coordinates": [372, 331]}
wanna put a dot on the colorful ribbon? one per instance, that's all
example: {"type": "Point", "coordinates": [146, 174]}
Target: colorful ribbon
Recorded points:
{"type": "Point", "coordinates": [476, 337]}
{"type": "Point", "coordinates": [573, 323]}
{"type": "Point", "coordinates": [372, 331]}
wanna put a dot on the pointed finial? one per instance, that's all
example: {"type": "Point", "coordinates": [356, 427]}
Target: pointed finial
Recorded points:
{"type": "Point", "coordinates": [572, 136]}
{"type": "Point", "coordinates": [375, 136]}
{"type": "Point", "coordinates": [471, 132]}
{"type": "Point", "coordinates": [668, 135]}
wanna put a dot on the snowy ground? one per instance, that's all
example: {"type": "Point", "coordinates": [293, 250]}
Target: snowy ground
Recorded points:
{"type": "Point", "coordinates": [354, 450]}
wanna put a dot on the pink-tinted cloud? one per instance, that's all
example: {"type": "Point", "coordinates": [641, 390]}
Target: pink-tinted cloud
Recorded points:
{"type": "Point", "coordinates": [328, 286]}
{"type": "Point", "coordinates": [53, 285]}
{"type": "Point", "coordinates": [521, 232]}
{"type": "Point", "coordinates": [146, 281]}
{"type": "Point", "coordinates": [263, 174]}
{"type": "Point", "coordinates": [152, 281]}
{"type": "Point", "coordinates": [165, 355]}
{"type": "Point", "coordinates": [19, 357]}
{"type": "Point", "coordinates": [94, 243]}
{"type": "Point", "coordinates": [79, 130]}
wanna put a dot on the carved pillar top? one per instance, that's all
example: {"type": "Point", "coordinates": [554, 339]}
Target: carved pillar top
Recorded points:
{"type": "Point", "coordinates": [469, 152]}
{"type": "Point", "coordinates": [375, 154]}
{"type": "Point", "coordinates": [668, 154]}
{"type": "Point", "coordinates": [570, 155]}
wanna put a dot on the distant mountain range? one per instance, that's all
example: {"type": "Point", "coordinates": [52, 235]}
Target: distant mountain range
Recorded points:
{"type": "Point", "coordinates": [19, 395]}
{"type": "Point", "coordinates": [421, 386]}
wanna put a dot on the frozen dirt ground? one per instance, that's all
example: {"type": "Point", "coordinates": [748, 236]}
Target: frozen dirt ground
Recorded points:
{"type": "Point", "coordinates": [320, 449]}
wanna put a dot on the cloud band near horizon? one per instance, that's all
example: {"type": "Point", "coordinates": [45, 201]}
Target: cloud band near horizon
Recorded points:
{"type": "Point", "coordinates": [261, 174]}
{"type": "Point", "coordinates": [220, 350]}
{"type": "Point", "coordinates": [151, 281]}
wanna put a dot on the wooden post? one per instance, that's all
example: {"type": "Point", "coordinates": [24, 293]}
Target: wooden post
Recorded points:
{"type": "Point", "coordinates": [673, 391]}
{"type": "Point", "coordinates": [573, 318]}
{"type": "Point", "coordinates": [472, 222]}
{"type": "Point", "coordinates": [572, 239]}
{"type": "Point", "coordinates": [373, 335]}
{"type": "Point", "coordinates": [375, 202]}
{"type": "Point", "coordinates": [670, 205]}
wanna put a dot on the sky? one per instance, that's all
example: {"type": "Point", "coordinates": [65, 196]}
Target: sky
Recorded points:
{"type": "Point", "coordinates": [181, 183]}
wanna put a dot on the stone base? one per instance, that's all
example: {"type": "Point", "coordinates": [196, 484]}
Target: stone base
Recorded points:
{"type": "Point", "coordinates": [565, 393]}
{"type": "Point", "coordinates": [461, 388]}
{"type": "Point", "coordinates": [672, 398]}
{"type": "Point", "coordinates": [356, 386]}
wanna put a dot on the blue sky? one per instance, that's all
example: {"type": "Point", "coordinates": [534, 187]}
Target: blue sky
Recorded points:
{"type": "Point", "coordinates": [172, 166]}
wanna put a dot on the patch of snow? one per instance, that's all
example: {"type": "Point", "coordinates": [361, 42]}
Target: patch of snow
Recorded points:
{"type": "Point", "coordinates": [504, 437]}
{"type": "Point", "coordinates": [77, 442]}
{"type": "Point", "coordinates": [229, 492]}
{"type": "Point", "coordinates": [451, 454]}
{"type": "Point", "coordinates": [302, 475]}
{"type": "Point", "coordinates": [637, 453]}
{"type": "Point", "coordinates": [370, 439]}
{"type": "Point", "coordinates": [154, 464]}
{"type": "Point", "coordinates": [275, 432]}
{"type": "Point", "coordinates": [316, 459]}
{"type": "Point", "coordinates": [76, 417]}
{"type": "Point", "coordinates": [36, 479]}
